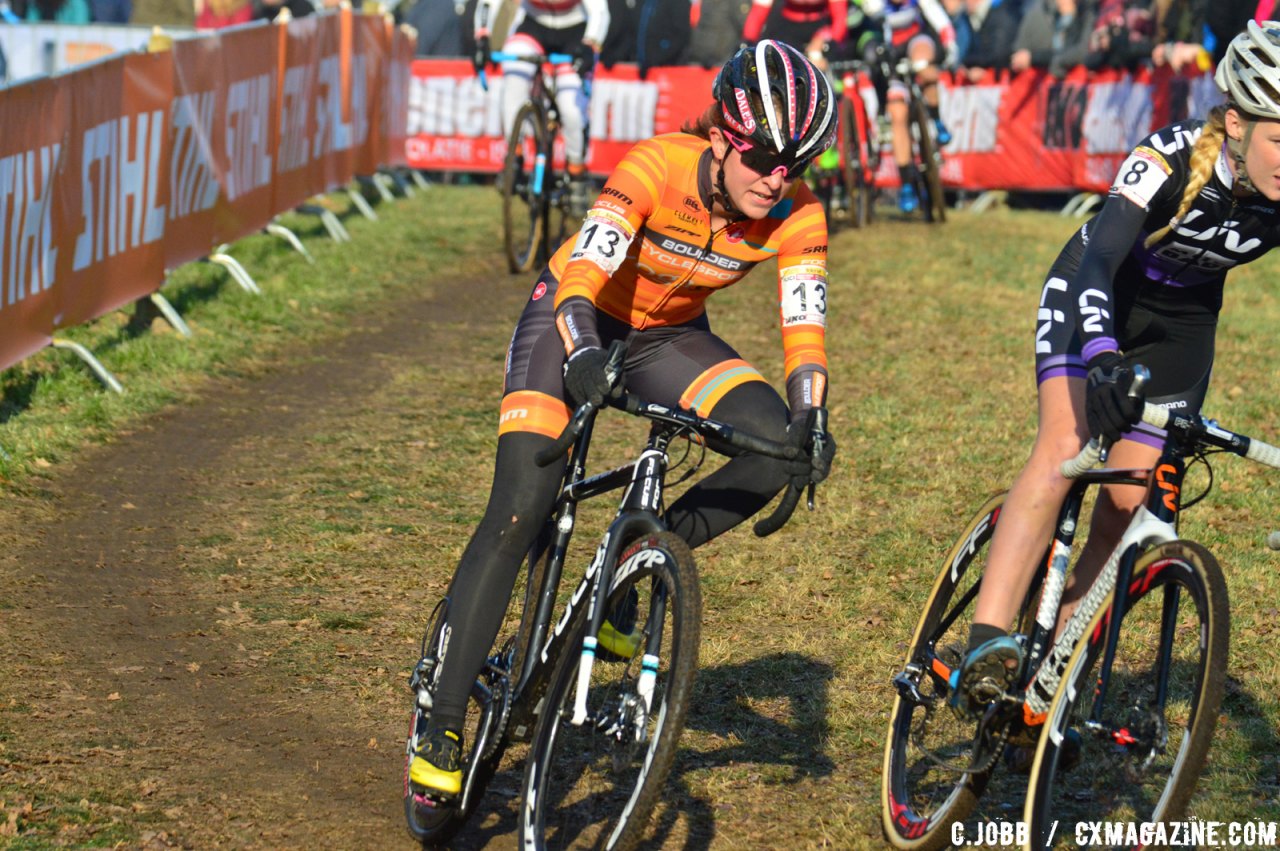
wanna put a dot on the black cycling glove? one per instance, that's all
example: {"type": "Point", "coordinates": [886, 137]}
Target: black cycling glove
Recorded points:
{"type": "Point", "coordinates": [480, 59]}
{"type": "Point", "coordinates": [585, 377]}
{"type": "Point", "coordinates": [584, 60]}
{"type": "Point", "coordinates": [1109, 409]}
{"type": "Point", "coordinates": [820, 448]}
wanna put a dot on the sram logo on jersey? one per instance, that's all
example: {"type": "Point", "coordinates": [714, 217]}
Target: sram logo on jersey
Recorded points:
{"type": "Point", "coordinates": [609, 190]}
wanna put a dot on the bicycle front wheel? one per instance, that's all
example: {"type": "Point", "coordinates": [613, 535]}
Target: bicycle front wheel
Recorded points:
{"type": "Point", "coordinates": [594, 784]}
{"type": "Point", "coordinates": [854, 163]}
{"type": "Point", "coordinates": [933, 200]}
{"type": "Point", "coordinates": [526, 175]}
{"type": "Point", "coordinates": [1141, 760]}
{"type": "Point", "coordinates": [934, 770]}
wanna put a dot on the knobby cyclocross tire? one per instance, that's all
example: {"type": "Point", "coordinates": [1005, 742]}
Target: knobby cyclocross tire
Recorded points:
{"type": "Point", "coordinates": [1152, 778]}
{"type": "Point", "coordinates": [595, 784]}
{"type": "Point", "coordinates": [435, 823]}
{"type": "Point", "coordinates": [859, 183]}
{"type": "Point", "coordinates": [933, 200]}
{"type": "Point", "coordinates": [526, 177]}
{"type": "Point", "coordinates": [925, 786]}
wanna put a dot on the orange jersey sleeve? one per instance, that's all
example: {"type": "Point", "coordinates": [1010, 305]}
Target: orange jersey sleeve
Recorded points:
{"type": "Point", "coordinates": [802, 300]}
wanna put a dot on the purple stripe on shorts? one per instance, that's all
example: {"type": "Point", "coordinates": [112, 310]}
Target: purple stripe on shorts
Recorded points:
{"type": "Point", "coordinates": [1146, 435]}
{"type": "Point", "coordinates": [1093, 348]}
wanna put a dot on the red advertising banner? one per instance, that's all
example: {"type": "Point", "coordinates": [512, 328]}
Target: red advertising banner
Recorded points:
{"type": "Point", "coordinates": [456, 124]}
{"type": "Point", "coordinates": [36, 117]}
{"type": "Point", "coordinates": [1029, 131]}
{"type": "Point", "coordinates": [115, 189]}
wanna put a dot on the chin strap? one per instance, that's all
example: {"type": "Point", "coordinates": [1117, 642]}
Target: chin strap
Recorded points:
{"type": "Point", "coordinates": [1237, 148]}
{"type": "Point", "coordinates": [721, 195]}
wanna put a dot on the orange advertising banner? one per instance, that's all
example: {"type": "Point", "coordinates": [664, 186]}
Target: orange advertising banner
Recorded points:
{"type": "Point", "coordinates": [32, 152]}
{"type": "Point", "coordinates": [395, 111]}
{"type": "Point", "coordinates": [250, 59]}
{"type": "Point", "coordinates": [114, 189]}
{"type": "Point", "coordinates": [298, 175]}
{"type": "Point", "coordinates": [196, 172]}
{"type": "Point", "coordinates": [370, 50]}
{"type": "Point", "coordinates": [114, 172]}
{"type": "Point", "coordinates": [336, 131]}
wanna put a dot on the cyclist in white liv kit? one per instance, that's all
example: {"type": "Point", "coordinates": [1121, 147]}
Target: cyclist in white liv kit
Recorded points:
{"type": "Point", "coordinates": [539, 28]}
{"type": "Point", "coordinates": [1141, 283]}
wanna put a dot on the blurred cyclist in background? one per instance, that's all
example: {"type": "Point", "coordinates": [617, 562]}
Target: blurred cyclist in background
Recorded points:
{"type": "Point", "coordinates": [921, 31]}
{"type": "Point", "coordinates": [799, 23]}
{"type": "Point", "coordinates": [542, 27]}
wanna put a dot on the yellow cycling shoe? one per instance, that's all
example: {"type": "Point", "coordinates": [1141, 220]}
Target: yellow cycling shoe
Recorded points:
{"type": "Point", "coordinates": [622, 645]}
{"type": "Point", "coordinates": [437, 766]}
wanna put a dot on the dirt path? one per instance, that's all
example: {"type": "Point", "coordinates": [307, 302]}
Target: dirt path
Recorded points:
{"type": "Point", "coordinates": [136, 691]}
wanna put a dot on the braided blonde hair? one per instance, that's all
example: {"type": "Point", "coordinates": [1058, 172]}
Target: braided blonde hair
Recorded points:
{"type": "Point", "coordinates": [1203, 157]}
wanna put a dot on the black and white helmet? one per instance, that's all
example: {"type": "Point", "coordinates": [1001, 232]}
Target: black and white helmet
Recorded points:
{"type": "Point", "coordinates": [772, 96]}
{"type": "Point", "coordinates": [1249, 73]}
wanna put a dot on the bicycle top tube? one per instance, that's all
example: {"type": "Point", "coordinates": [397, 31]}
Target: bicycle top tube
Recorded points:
{"type": "Point", "coordinates": [677, 417]}
{"type": "Point", "coordinates": [532, 58]}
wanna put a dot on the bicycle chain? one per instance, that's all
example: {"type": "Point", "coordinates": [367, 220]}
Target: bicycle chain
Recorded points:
{"type": "Point", "coordinates": [997, 739]}
{"type": "Point", "coordinates": [501, 662]}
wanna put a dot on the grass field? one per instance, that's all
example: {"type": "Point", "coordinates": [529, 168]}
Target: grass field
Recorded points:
{"type": "Point", "coordinates": [332, 555]}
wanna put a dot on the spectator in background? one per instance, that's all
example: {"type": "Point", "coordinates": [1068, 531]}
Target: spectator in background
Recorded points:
{"type": "Point", "coordinates": [1053, 34]}
{"type": "Point", "coordinates": [799, 22]}
{"type": "Point", "coordinates": [651, 33]}
{"type": "Point", "coordinates": [624, 23]}
{"type": "Point", "coordinates": [717, 30]}
{"type": "Point", "coordinates": [440, 25]}
{"type": "Point", "coordinates": [992, 27]}
{"type": "Point", "coordinates": [270, 9]}
{"type": "Point", "coordinates": [59, 11]}
{"type": "Point", "coordinates": [111, 11]}
{"type": "Point", "coordinates": [1180, 33]}
{"type": "Point", "coordinates": [1225, 19]}
{"type": "Point", "coordinates": [216, 14]}
{"type": "Point", "coordinates": [1123, 36]}
{"type": "Point", "coordinates": [163, 13]}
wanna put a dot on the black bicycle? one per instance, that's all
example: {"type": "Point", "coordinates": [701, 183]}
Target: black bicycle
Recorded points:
{"type": "Point", "coordinates": [1130, 690]}
{"type": "Point", "coordinates": [926, 152]}
{"type": "Point", "coordinates": [601, 691]}
{"type": "Point", "coordinates": [535, 194]}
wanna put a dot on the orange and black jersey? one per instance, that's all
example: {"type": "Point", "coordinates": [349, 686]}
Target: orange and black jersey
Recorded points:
{"type": "Point", "coordinates": [646, 255]}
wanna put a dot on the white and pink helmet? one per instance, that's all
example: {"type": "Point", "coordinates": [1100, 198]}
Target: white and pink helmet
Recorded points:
{"type": "Point", "coordinates": [771, 96]}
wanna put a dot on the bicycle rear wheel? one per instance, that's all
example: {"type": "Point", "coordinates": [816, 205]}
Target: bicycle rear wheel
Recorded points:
{"type": "Point", "coordinates": [1160, 708]}
{"type": "Point", "coordinates": [934, 770]}
{"type": "Point", "coordinates": [526, 175]}
{"type": "Point", "coordinates": [933, 200]}
{"type": "Point", "coordinates": [594, 785]}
